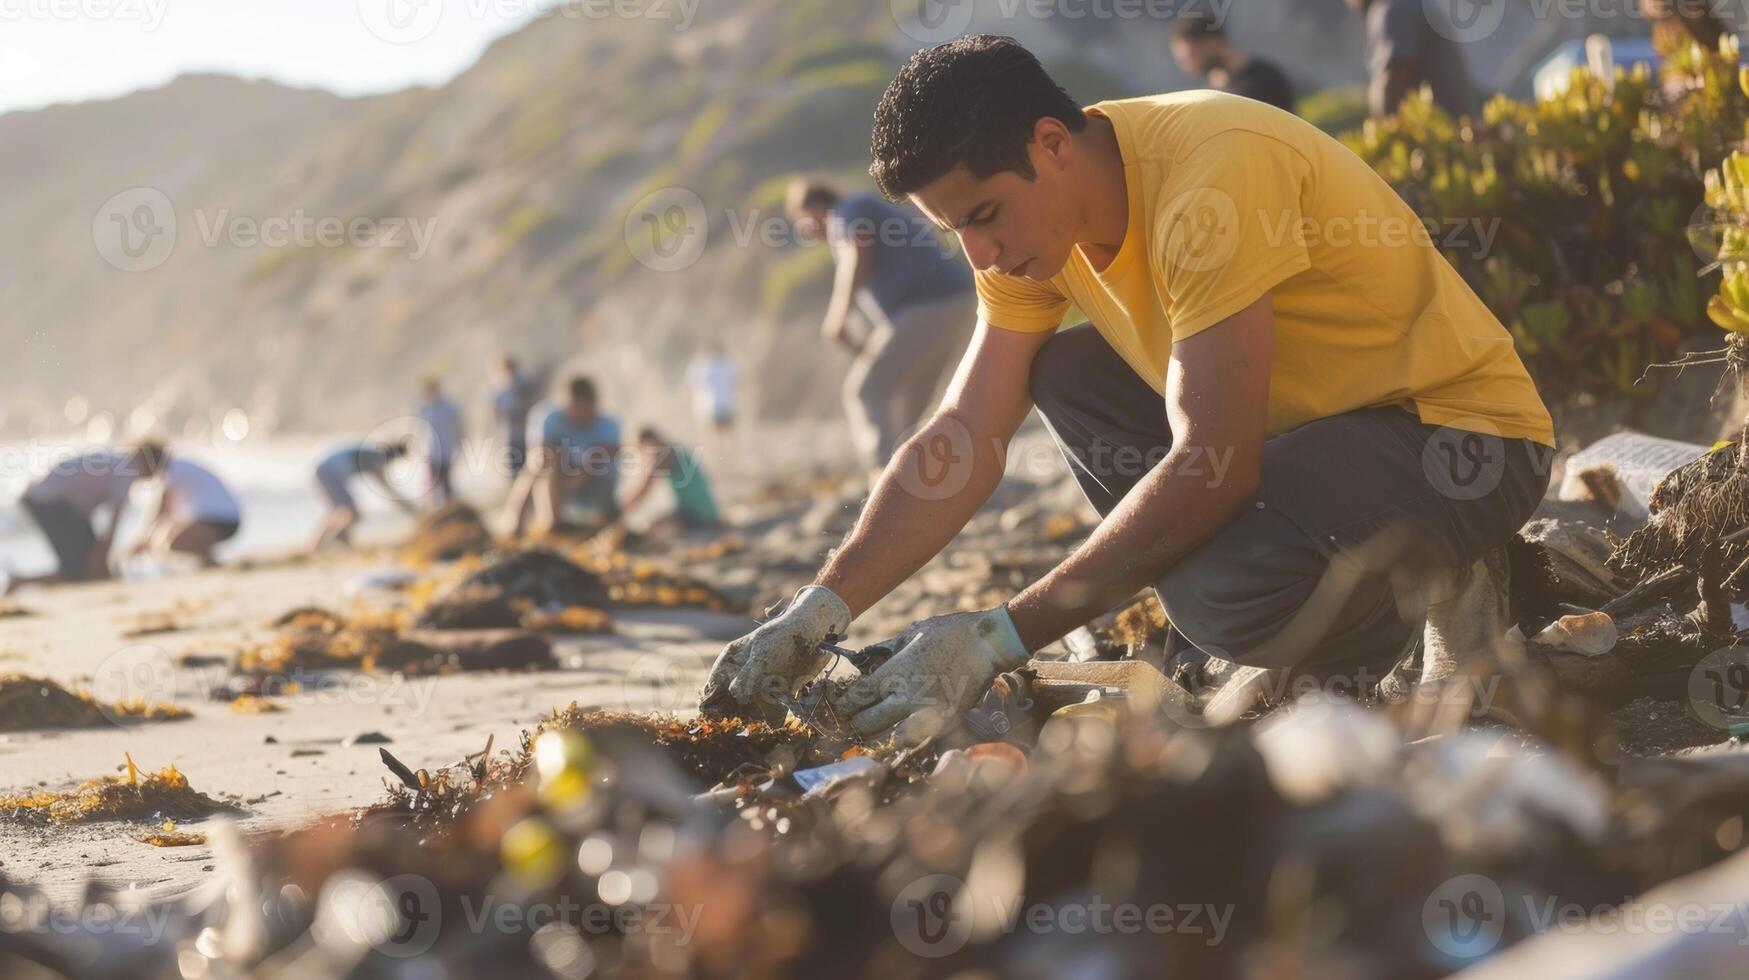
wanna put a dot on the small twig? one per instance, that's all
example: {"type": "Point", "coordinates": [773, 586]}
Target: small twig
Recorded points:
{"type": "Point", "coordinates": [1647, 591]}
{"type": "Point", "coordinates": [1713, 613]}
{"type": "Point", "coordinates": [401, 772]}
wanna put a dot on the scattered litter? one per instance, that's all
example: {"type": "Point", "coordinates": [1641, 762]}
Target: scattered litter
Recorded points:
{"type": "Point", "coordinates": [1592, 634]}
{"type": "Point", "coordinates": [1621, 470]}
{"type": "Point", "coordinates": [820, 779]}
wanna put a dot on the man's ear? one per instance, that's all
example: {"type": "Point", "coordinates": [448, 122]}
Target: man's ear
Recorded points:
{"type": "Point", "coordinates": [1051, 142]}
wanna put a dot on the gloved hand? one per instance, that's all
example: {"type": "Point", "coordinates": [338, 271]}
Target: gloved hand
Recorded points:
{"type": "Point", "coordinates": [777, 658]}
{"type": "Point", "coordinates": [940, 667]}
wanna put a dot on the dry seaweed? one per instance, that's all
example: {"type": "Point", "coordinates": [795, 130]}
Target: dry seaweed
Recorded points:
{"type": "Point", "coordinates": [1696, 505]}
{"type": "Point", "coordinates": [572, 619]}
{"type": "Point", "coordinates": [453, 531]}
{"type": "Point", "coordinates": [251, 704]}
{"type": "Point", "coordinates": [168, 836]}
{"type": "Point", "coordinates": [28, 703]}
{"type": "Point", "coordinates": [134, 795]}
{"type": "Point", "coordinates": [314, 639]}
{"type": "Point", "coordinates": [541, 577]}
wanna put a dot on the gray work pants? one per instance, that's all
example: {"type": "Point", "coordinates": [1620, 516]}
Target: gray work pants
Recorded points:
{"type": "Point", "coordinates": [1360, 520]}
{"type": "Point", "coordinates": [902, 369]}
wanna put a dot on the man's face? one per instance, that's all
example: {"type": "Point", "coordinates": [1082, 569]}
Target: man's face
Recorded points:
{"type": "Point", "coordinates": [1192, 58]}
{"type": "Point", "coordinates": [581, 410]}
{"type": "Point", "coordinates": [1006, 222]}
{"type": "Point", "coordinates": [810, 224]}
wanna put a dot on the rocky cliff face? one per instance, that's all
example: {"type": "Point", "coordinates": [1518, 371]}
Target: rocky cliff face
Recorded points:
{"type": "Point", "coordinates": [599, 194]}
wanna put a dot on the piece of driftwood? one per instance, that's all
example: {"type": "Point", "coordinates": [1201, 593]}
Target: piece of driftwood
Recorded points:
{"type": "Point", "coordinates": [1060, 683]}
{"type": "Point", "coordinates": [1653, 658]}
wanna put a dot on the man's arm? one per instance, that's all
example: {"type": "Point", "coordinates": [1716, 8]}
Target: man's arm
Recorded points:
{"type": "Point", "coordinates": [1217, 392]}
{"type": "Point", "coordinates": [160, 517]}
{"type": "Point", "coordinates": [381, 479]}
{"type": "Point", "coordinates": [636, 497]}
{"type": "Point", "coordinates": [855, 264]}
{"type": "Point", "coordinates": [100, 567]}
{"type": "Point", "coordinates": [941, 476]}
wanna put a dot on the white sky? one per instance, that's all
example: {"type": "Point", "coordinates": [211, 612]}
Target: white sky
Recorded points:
{"type": "Point", "coordinates": [71, 50]}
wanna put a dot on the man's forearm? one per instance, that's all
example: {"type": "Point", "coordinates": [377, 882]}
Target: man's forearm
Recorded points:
{"type": "Point", "coordinates": [907, 522]}
{"type": "Point", "coordinates": [1164, 518]}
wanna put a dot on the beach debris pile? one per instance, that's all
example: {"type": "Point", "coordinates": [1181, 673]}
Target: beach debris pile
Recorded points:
{"type": "Point", "coordinates": [1334, 831]}
{"type": "Point", "coordinates": [509, 584]}
{"type": "Point", "coordinates": [131, 795]}
{"type": "Point", "coordinates": [28, 703]}
{"type": "Point", "coordinates": [453, 531]}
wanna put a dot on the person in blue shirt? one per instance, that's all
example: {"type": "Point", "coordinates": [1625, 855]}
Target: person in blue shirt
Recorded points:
{"type": "Point", "coordinates": [442, 423]}
{"type": "Point", "coordinates": [916, 297]}
{"type": "Point", "coordinates": [512, 397]}
{"type": "Point", "coordinates": [573, 476]}
{"type": "Point", "coordinates": [334, 476]}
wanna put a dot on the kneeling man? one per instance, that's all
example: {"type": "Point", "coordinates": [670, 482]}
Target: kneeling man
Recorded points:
{"type": "Point", "coordinates": [1293, 414]}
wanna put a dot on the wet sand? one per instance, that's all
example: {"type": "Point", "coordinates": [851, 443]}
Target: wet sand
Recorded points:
{"type": "Point", "coordinates": [287, 767]}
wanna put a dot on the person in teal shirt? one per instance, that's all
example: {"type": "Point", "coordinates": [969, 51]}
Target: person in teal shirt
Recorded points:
{"type": "Point", "coordinates": [572, 479]}
{"type": "Point", "coordinates": [695, 507]}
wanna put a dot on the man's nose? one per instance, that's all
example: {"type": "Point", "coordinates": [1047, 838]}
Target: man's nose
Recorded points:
{"type": "Point", "coordinates": [980, 251]}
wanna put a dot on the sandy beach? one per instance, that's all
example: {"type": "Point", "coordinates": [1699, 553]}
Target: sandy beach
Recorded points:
{"type": "Point", "coordinates": [284, 768]}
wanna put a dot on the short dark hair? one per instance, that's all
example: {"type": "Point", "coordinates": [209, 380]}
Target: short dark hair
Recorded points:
{"type": "Point", "coordinates": [972, 101]}
{"type": "Point", "coordinates": [396, 449]}
{"type": "Point", "coordinates": [1195, 26]}
{"type": "Point", "coordinates": [805, 194]}
{"type": "Point", "coordinates": [582, 389]}
{"type": "Point", "coordinates": [649, 434]}
{"type": "Point", "coordinates": [149, 458]}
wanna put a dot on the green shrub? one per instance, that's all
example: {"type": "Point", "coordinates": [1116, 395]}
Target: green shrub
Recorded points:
{"type": "Point", "coordinates": [1334, 110]}
{"type": "Point", "coordinates": [1594, 194]}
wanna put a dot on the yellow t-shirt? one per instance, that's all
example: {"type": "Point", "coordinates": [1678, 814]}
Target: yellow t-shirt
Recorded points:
{"type": "Point", "coordinates": [1231, 198]}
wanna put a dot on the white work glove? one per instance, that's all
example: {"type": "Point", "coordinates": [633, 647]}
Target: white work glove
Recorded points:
{"type": "Point", "coordinates": [775, 659]}
{"type": "Point", "coordinates": [940, 668]}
